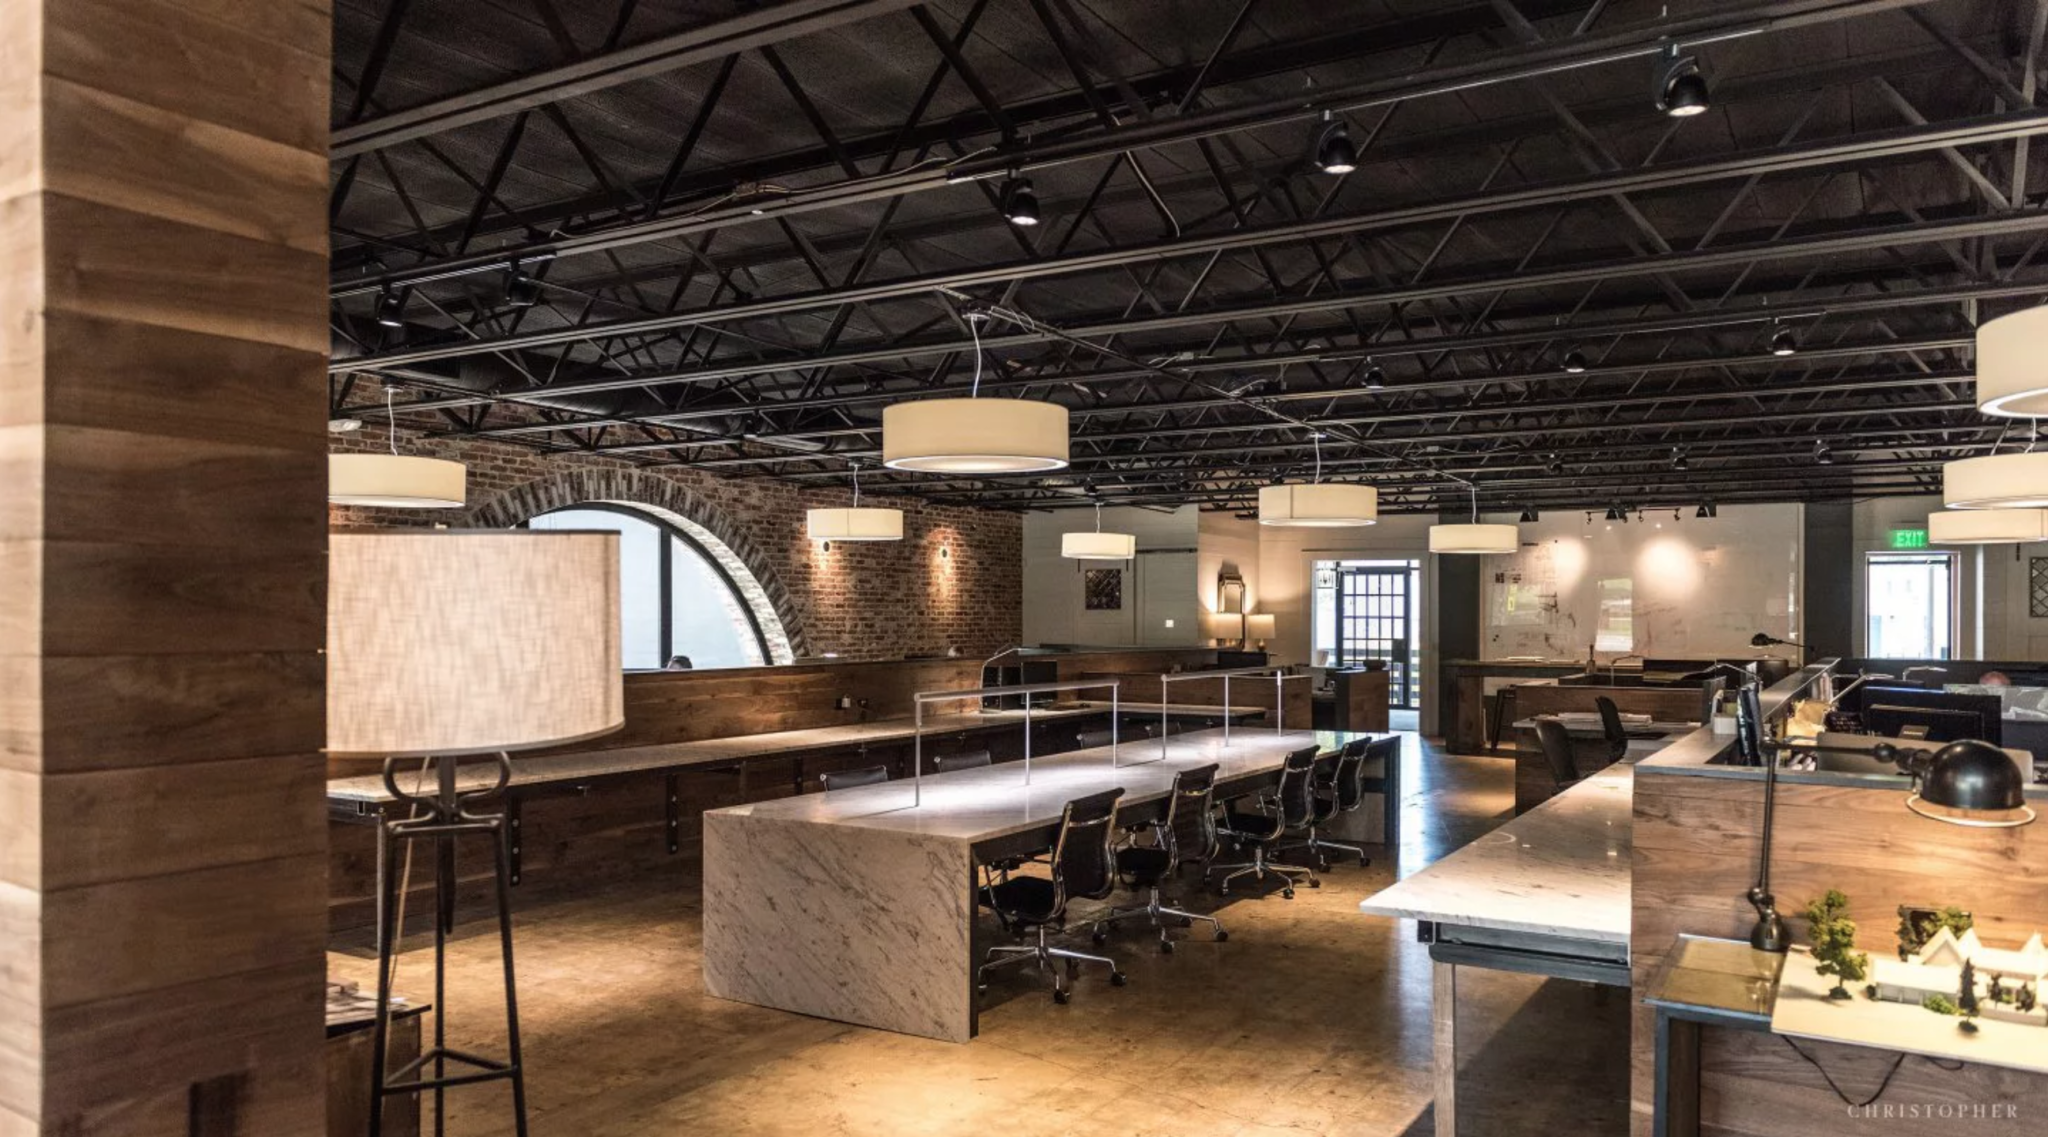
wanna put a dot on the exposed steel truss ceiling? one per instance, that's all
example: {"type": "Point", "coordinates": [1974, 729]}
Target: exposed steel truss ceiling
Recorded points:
{"type": "Point", "coordinates": [754, 226]}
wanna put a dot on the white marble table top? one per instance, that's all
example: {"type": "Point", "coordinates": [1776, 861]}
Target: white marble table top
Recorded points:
{"type": "Point", "coordinates": [549, 768]}
{"type": "Point", "coordinates": [993, 801]}
{"type": "Point", "coordinates": [1560, 869]}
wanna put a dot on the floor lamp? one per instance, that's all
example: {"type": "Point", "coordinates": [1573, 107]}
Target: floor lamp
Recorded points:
{"type": "Point", "coordinates": [443, 645]}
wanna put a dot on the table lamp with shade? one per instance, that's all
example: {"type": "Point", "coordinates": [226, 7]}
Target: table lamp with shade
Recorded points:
{"type": "Point", "coordinates": [1259, 626]}
{"type": "Point", "coordinates": [443, 645]}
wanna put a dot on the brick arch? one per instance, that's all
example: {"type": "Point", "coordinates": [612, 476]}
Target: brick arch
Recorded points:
{"type": "Point", "coordinates": [678, 505]}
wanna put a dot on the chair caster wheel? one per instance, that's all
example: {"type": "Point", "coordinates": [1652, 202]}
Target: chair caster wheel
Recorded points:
{"type": "Point", "coordinates": [1365, 862]}
{"type": "Point", "coordinates": [1118, 979]}
{"type": "Point", "coordinates": [1221, 935]}
{"type": "Point", "coordinates": [1166, 947]}
{"type": "Point", "coordinates": [1100, 938]}
{"type": "Point", "coordinates": [1315, 884]}
{"type": "Point", "coordinates": [1223, 891]}
{"type": "Point", "coordinates": [1059, 997]}
{"type": "Point", "coordinates": [1287, 894]}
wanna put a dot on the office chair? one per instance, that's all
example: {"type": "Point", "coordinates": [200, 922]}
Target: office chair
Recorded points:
{"type": "Point", "coordinates": [1090, 739]}
{"type": "Point", "coordinates": [847, 779]}
{"type": "Point", "coordinates": [1083, 867]}
{"type": "Point", "coordinates": [1611, 728]}
{"type": "Point", "coordinates": [1288, 807]}
{"type": "Point", "coordinates": [1556, 742]}
{"type": "Point", "coordinates": [1345, 792]}
{"type": "Point", "coordinates": [1187, 834]}
{"type": "Point", "coordinates": [969, 760]}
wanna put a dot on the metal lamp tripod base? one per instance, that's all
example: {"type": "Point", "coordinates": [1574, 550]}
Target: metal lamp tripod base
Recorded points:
{"type": "Point", "coordinates": [440, 820]}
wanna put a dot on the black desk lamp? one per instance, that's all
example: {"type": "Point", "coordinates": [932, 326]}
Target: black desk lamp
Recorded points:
{"type": "Point", "coordinates": [1765, 639]}
{"type": "Point", "coordinates": [1964, 783]}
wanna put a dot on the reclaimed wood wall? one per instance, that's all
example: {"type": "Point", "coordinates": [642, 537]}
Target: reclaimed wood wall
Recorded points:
{"type": "Point", "coordinates": [163, 340]}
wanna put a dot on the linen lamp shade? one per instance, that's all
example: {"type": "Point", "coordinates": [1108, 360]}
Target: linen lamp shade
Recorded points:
{"type": "Point", "coordinates": [1474, 538]}
{"type": "Point", "coordinates": [1996, 481]}
{"type": "Point", "coordinates": [395, 481]}
{"type": "Point", "coordinates": [1987, 526]}
{"type": "Point", "coordinates": [860, 523]}
{"type": "Point", "coordinates": [1319, 505]}
{"type": "Point", "coordinates": [974, 436]}
{"type": "Point", "coordinates": [1259, 626]}
{"type": "Point", "coordinates": [2012, 364]}
{"type": "Point", "coordinates": [1098, 546]}
{"type": "Point", "coordinates": [461, 642]}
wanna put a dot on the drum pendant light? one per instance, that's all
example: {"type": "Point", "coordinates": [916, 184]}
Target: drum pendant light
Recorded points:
{"type": "Point", "coordinates": [1987, 526]}
{"type": "Point", "coordinates": [1997, 481]}
{"type": "Point", "coordinates": [975, 435]}
{"type": "Point", "coordinates": [394, 480]}
{"type": "Point", "coordinates": [1098, 546]}
{"type": "Point", "coordinates": [1474, 537]}
{"type": "Point", "coordinates": [1317, 504]}
{"type": "Point", "coordinates": [2012, 380]}
{"type": "Point", "coordinates": [857, 523]}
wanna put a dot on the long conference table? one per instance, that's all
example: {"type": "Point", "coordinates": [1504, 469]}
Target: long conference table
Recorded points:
{"type": "Point", "coordinates": [858, 905]}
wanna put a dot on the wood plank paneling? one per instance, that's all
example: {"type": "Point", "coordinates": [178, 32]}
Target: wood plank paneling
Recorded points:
{"type": "Point", "coordinates": [162, 565]}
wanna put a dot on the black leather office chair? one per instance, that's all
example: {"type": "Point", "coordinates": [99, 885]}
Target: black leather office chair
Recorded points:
{"type": "Point", "coordinates": [1556, 742]}
{"type": "Point", "coordinates": [1090, 739]}
{"type": "Point", "coordinates": [1343, 792]}
{"type": "Point", "coordinates": [1287, 808]}
{"type": "Point", "coordinates": [1502, 713]}
{"type": "Point", "coordinates": [847, 779]}
{"type": "Point", "coordinates": [1083, 867]}
{"type": "Point", "coordinates": [947, 763]}
{"type": "Point", "coordinates": [1187, 835]}
{"type": "Point", "coordinates": [1611, 728]}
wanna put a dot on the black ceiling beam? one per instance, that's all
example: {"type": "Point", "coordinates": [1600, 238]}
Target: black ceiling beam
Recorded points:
{"type": "Point", "coordinates": [1820, 245]}
{"type": "Point", "coordinates": [758, 27]}
{"type": "Point", "coordinates": [1492, 68]}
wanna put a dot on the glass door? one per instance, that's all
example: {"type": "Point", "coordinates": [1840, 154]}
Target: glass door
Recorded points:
{"type": "Point", "coordinates": [1911, 602]}
{"type": "Point", "coordinates": [1376, 619]}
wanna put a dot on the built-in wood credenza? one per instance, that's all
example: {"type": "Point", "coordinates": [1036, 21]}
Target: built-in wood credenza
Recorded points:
{"type": "Point", "coordinates": [163, 456]}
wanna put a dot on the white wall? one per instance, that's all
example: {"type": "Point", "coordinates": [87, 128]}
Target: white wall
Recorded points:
{"type": "Point", "coordinates": [1159, 584]}
{"type": "Point", "coordinates": [1227, 541]}
{"type": "Point", "coordinates": [1699, 586]}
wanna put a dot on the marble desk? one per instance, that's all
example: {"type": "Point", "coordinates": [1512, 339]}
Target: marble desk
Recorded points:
{"type": "Point", "coordinates": [858, 905]}
{"type": "Point", "coordinates": [1545, 894]}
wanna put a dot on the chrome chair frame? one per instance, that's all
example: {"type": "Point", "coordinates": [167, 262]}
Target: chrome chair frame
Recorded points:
{"type": "Point", "coordinates": [1041, 951]}
{"type": "Point", "coordinates": [1301, 764]}
{"type": "Point", "coordinates": [1202, 800]}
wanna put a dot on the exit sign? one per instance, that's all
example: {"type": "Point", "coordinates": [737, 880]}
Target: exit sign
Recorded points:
{"type": "Point", "coordinates": [1909, 538]}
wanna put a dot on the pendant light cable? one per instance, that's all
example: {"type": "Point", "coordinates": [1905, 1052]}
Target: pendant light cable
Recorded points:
{"type": "Point", "coordinates": [1317, 440]}
{"type": "Point", "coordinates": [390, 423]}
{"type": "Point", "coordinates": [974, 329]}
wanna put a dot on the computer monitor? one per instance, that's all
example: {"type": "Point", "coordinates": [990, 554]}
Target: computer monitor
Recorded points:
{"type": "Point", "coordinates": [1932, 716]}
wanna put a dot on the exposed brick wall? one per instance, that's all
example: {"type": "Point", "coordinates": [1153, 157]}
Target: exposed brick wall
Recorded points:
{"type": "Point", "coordinates": [955, 580]}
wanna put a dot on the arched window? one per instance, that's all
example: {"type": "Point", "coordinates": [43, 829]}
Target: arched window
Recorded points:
{"type": "Point", "coordinates": [674, 597]}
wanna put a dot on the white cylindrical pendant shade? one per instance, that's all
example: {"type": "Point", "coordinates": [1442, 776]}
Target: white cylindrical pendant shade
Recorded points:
{"type": "Point", "coordinates": [1987, 526]}
{"type": "Point", "coordinates": [1474, 538]}
{"type": "Point", "coordinates": [1996, 481]}
{"type": "Point", "coordinates": [1259, 626]}
{"type": "Point", "coordinates": [2012, 364]}
{"type": "Point", "coordinates": [1098, 546]}
{"type": "Point", "coordinates": [974, 436]}
{"type": "Point", "coordinates": [1323, 505]}
{"type": "Point", "coordinates": [459, 642]}
{"type": "Point", "coordinates": [858, 524]}
{"type": "Point", "coordinates": [395, 481]}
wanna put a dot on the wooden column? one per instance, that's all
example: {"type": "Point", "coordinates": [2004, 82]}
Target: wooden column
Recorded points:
{"type": "Point", "coordinates": [163, 182]}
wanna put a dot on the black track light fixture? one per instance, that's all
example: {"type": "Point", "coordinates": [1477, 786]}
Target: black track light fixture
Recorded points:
{"type": "Point", "coordinates": [1678, 459]}
{"type": "Point", "coordinates": [1574, 362]}
{"type": "Point", "coordinates": [1529, 514]}
{"type": "Point", "coordinates": [1680, 90]}
{"type": "Point", "coordinates": [1335, 153]}
{"type": "Point", "coordinates": [521, 290]}
{"type": "Point", "coordinates": [1615, 513]}
{"type": "Point", "coordinates": [390, 309]}
{"type": "Point", "coordinates": [1822, 454]}
{"type": "Point", "coordinates": [1707, 509]}
{"type": "Point", "coordinates": [1554, 466]}
{"type": "Point", "coordinates": [1784, 343]}
{"type": "Point", "coordinates": [1375, 377]}
{"type": "Point", "coordinates": [1019, 201]}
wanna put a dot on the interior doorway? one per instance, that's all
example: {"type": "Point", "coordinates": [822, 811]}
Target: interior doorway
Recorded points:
{"type": "Point", "coordinates": [1372, 610]}
{"type": "Point", "coordinates": [1911, 601]}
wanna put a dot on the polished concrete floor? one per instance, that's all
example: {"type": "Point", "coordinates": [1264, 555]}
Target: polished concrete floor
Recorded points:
{"type": "Point", "coordinates": [1310, 1019]}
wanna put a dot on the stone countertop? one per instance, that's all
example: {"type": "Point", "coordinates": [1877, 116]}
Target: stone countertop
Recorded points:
{"type": "Point", "coordinates": [1560, 869]}
{"type": "Point", "coordinates": [976, 805]}
{"type": "Point", "coordinates": [551, 768]}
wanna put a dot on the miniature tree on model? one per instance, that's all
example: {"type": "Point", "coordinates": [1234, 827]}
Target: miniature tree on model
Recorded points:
{"type": "Point", "coordinates": [1834, 943]}
{"type": "Point", "coordinates": [1966, 996]}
